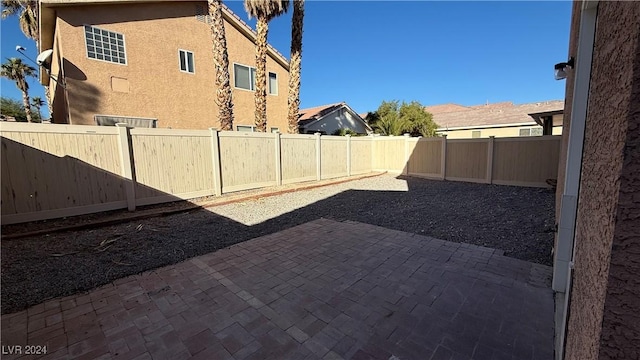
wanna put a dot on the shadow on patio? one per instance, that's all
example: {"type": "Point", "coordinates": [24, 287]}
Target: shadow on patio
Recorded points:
{"type": "Point", "coordinates": [324, 289]}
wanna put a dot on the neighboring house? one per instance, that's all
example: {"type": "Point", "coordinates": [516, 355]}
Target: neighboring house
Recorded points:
{"type": "Point", "coordinates": [499, 119]}
{"type": "Point", "coordinates": [597, 252]}
{"type": "Point", "coordinates": [328, 119]}
{"type": "Point", "coordinates": [151, 62]}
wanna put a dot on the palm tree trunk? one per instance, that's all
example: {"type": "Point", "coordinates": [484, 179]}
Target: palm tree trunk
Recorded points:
{"type": "Point", "coordinates": [224, 98]}
{"type": "Point", "coordinates": [27, 107]}
{"type": "Point", "coordinates": [47, 91]}
{"type": "Point", "coordinates": [295, 66]}
{"type": "Point", "coordinates": [262, 28]}
{"type": "Point", "coordinates": [47, 95]}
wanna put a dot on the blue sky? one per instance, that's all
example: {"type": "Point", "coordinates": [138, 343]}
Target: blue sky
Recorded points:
{"type": "Point", "coordinates": [364, 52]}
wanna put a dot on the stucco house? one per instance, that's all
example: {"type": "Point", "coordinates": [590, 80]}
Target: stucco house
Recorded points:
{"type": "Point", "coordinates": [327, 119]}
{"type": "Point", "coordinates": [151, 63]}
{"type": "Point", "coordinates": [503, 119]}
{"type": "Point", "coordinates": [597, 252]}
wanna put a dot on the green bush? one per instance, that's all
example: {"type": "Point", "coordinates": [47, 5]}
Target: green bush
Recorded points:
{"type": "Point", "coordinates": [344, 132]}
{"type": "Point", "coordinates": [393, 118]}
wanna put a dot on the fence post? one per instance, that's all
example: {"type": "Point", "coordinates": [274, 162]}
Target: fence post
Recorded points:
{"type": "Point", "coordinates": [278, 160]}
{"type": "Point", "coordinates": [215, 156]}
{"type": "Point", "coordinates": [405, 170]}
{"type": "Point", "coordinates": [373, 152]}
{"type": "Point", "coordinates": [443, 161]}
{"type": "Point", "coordinates": [490, 160]}
{"type": "Point", "coordinates": [127, 165]}
{"type": "Point", "coordinates": [348, 155]}
{"type": "Point", "coordinates": [318, 157]}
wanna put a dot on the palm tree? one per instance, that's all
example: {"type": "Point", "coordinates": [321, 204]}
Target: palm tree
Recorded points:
{"type": "Point", "coordinates": [37, 103]}
{"type": "Point", "coordinates": [392, 124]}
{"type": "Point", "coordinates": [14, 69]}
{"type": "Point", "coordinates": [295, 65]}
{"type": "Point", "coordinates": [27, 12]}
{"type": "Point", "coordinates": [264, 11]}
{"type": "Point", "coordinates": [224, 99]}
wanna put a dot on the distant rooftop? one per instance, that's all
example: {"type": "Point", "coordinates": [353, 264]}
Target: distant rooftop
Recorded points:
{"type": "Point", "coordinates": [317, 112]}
{"type": "Point", "coordinates": [456, 116]}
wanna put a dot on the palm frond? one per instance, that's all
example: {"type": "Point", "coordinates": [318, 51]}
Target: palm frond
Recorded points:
{"type": "Point", "coordinates": [266, 9]}
{"type": "Point", "coordinates": [11, 7]}
{"type": "Point", "coordinates": [27, 12]}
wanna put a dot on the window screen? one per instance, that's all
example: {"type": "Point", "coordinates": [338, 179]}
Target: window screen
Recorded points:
{"type": "Point", "coordinates": [273, 84]}
{"type": "Point", "coordinates": [244, 77]}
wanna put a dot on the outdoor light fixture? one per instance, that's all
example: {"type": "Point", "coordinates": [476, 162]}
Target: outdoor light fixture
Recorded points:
{"type": "Point", "coordinates": [561, 69]}
{"type": "Point", "coordinates": [43, 60]}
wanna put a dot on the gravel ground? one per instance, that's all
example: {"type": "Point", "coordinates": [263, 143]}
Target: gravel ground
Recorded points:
{"type": "Point", "coordinates": [517, 220]}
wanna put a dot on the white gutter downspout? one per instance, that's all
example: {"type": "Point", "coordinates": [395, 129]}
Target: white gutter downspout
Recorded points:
{"type": "Point", "coordinates": [565, 249]}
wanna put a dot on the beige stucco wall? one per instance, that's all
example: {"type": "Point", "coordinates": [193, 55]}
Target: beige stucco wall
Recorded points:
{"type": "Point", "coordinates": [58, 94]}
{"type": "Point", "coordinates": [512, 131]}
{"type": "Point", "coordinates": [604, 320]}
{"type": "Point", "coordinates": [157, 88]}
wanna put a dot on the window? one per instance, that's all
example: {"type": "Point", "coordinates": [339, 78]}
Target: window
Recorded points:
{"type": "Point", "coordinates": [537, 131]}
{"type": "Point", "coordinates": [186, 61]}
{"type": "Point", "coordinates": [105, 45]}
{"type": "Point", "coordinates": [275, 130]}
{"type": "Point", "coordinates": [245, 128]}
{"type": "Point", "coordinates": [201, 15]}
{"type": "Point", "coordinates": [244, 77]}
{"type": "Point", "coordinates": [273, 84]}
{"type": "Point", "coordinates": [475, 134]}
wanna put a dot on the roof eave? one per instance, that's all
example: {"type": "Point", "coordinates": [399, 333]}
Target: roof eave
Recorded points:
{"type": "Point", "coordinates": [47, 24]}
{"type": "Point", "coordinates": [46, 30]}
{"type": "Point", "coordinates": [345, 106]}
{"type": "Point", "coordinates": [241, 26]}
{"type": "Point", "coordinates": [537, 116]}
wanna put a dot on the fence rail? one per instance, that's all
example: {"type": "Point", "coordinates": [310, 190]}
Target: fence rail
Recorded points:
{"type": "Point", "coordinates": [52, 171]}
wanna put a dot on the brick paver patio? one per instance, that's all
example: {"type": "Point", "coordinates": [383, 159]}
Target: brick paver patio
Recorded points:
{"type": "Point", "coordinates": [322, 290]}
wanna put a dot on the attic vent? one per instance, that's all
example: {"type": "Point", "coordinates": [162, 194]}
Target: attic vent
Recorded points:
{"type": "Point", "coordinates": [202, 15]}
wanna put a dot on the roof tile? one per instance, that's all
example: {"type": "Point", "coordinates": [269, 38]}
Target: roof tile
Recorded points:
{"type": "Point", "coordinates": [493, 114]}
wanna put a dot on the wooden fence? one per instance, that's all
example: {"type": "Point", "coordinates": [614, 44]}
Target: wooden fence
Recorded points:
{"type": "Point", "coordinates": [52, 171]}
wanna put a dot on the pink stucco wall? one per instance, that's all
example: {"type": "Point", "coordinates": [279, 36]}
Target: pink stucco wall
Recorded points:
{"type": "Point", "coordinates": [604, 320]}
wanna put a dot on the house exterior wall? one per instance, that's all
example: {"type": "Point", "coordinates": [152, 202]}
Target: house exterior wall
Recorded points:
{"type": "Point", "coordinates": [604, 320]}
{"type": "Point", "coordinates": [340, 119]}
{"type": "Point", "coordinates": [509, 131]}
{"type": "Point", "coordinates": [151, 83]}
{"type": "Point", "coordinates": [58, 95]}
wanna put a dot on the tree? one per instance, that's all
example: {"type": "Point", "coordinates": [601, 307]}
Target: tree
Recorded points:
{"type": "Point", "coordinates": [14, 69]}
{"type": "Point", "coordinates": [37, 103]}
{"type": "Point", "coordinates": [224, 99]}
{"type": "Point", "coordinates": [421, 121]}
{"type": "Point", "coordinates": [13, 108]}
{"type": "Point", "coordinates": [264, 11]}
{"type": "Point", "coordinates": [393, 118]}
{"type": "Point", "coordinates": [295, 65]}
{"type": "Point", "coordinates": [27, 12]}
